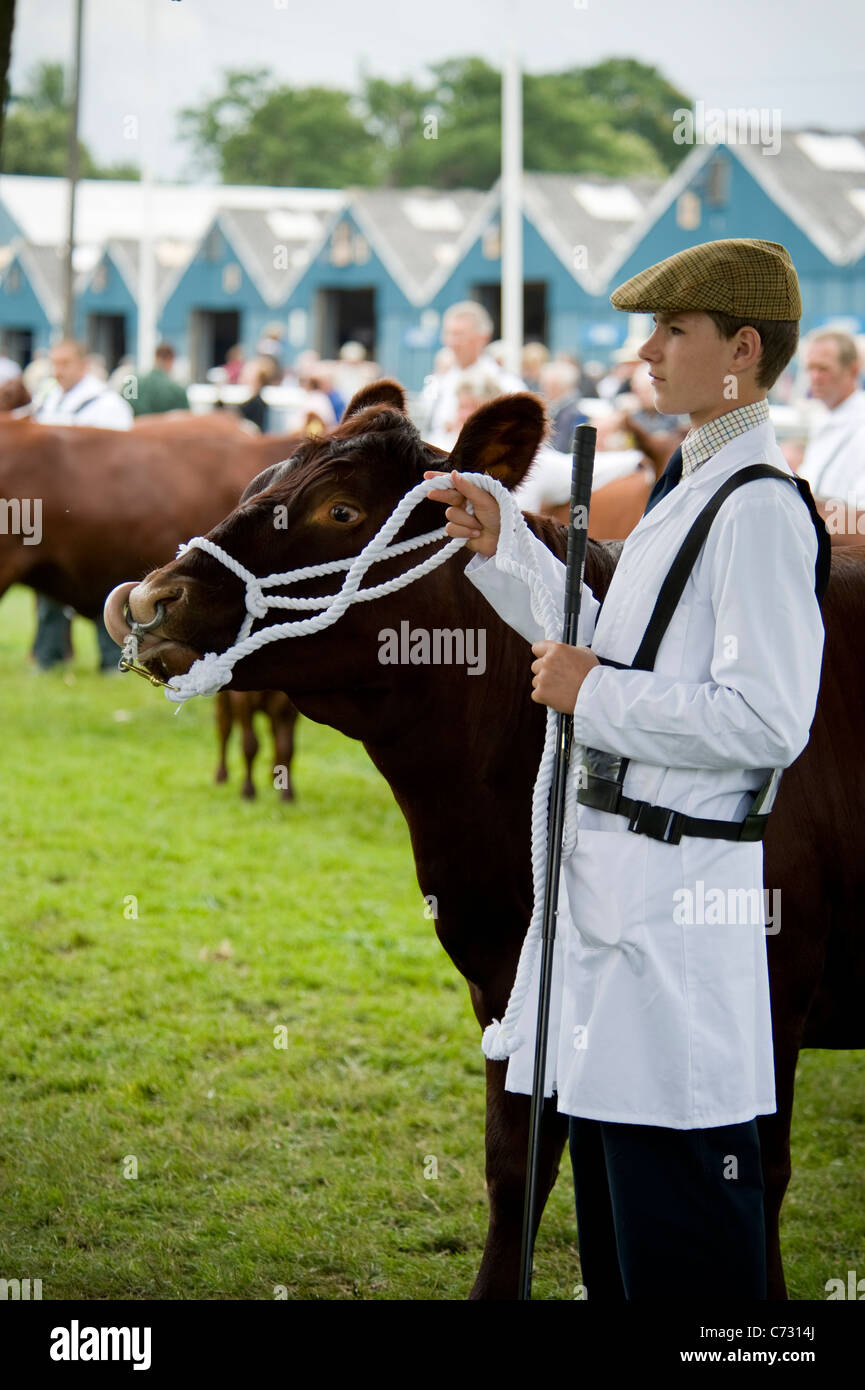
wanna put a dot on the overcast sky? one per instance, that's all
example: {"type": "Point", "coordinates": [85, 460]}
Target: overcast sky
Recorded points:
{"type": "Point", "coordinates": [801, 57]}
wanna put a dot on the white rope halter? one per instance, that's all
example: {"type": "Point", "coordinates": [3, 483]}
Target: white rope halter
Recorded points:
{"type": "Point", "coordinates": [514, 555]}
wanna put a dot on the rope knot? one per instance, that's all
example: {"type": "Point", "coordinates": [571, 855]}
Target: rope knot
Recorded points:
{"type": "Point", "coordinates": [205, 677]}
{"type": "Point", "coordinates": [497, 1043]}
{"type": "Point", "coordinates": [256, 603]}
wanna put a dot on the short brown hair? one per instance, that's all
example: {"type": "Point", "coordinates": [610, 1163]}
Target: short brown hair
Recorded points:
{"type": "Point", "coordinates": [780, 338]}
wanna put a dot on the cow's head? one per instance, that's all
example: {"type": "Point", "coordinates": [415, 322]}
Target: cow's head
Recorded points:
{"type": "Point", "coordinates": [324, 503]}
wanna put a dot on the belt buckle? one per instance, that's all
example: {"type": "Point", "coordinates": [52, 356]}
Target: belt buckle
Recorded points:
{"type": "Point", "coordinates": [658, 822]}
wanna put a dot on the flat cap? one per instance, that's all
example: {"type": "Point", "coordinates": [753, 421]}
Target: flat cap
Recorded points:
{"type": "Point", "coordinates": [738, 276]}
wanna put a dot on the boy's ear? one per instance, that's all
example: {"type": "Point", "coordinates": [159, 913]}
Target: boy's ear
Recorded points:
{"type": "Point", "coordinates": [501, 438]}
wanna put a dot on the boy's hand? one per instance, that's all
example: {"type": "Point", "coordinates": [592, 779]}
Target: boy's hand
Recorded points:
{"type": "Point", "coordinates": [483, 528]}
{"type": "Point", "coordinates": [559, 672]}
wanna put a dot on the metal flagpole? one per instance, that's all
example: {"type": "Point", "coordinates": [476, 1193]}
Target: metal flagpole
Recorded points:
{"type": "Point", "coordinates": [146, 305]}
{"type": "Point", "coordinates": [73, 164]}
{"type": "Point", "coordinates": [512, 209]}
{"type": "Point", "coordinates": [585, 437]}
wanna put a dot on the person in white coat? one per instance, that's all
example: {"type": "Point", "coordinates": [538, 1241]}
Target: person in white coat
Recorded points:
{"type": "Point", "coordinates": [77, 398]}
{"type": "Point", "coordinates": [660, 1037]}
{"type": "Point", "coordinates": [466, 329]}
{"type": "Point", "coordinates": [834, 461]}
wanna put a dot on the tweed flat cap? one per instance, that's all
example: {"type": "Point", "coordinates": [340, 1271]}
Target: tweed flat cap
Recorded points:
{"type": "Point", "coordinates": [739, 276]}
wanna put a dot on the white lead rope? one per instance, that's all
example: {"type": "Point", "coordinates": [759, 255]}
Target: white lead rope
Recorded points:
{"type": "Point", "coordinates": [514, 555]}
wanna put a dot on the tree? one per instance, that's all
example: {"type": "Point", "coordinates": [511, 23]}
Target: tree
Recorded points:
{"type": "Point", "coordinates": [254, 132]}
{"type": "Point", "coordinates": [641, 101]}
{"type": "Point", "coordinates": [614, 118]}
{"type": "Point", "coordinates": [37, 125]}
{"type": "Point", "coordinates": [7, 23]}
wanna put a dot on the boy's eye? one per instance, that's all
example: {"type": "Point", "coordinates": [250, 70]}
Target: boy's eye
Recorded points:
{"type": "Point", "coordinates": [676, 330]}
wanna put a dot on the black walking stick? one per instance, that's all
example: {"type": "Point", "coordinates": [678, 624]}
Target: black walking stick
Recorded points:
{"type": "Point", "coordinates": [578, 534]}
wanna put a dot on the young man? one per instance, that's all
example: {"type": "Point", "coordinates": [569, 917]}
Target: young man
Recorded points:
{"type": "Point", "coordinates": [660, 1034]}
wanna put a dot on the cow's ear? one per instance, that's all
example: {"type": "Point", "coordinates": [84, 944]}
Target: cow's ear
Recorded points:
{"type": "Point", "coordinates": [384, 392]}
{"type": "Point", "coordinates": [501, 438]}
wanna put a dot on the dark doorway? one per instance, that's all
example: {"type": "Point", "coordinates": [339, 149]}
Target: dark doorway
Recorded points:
{"type": "Point", "coordinates": [18, 344]}
{"type": "Point", "coordinates": [211, 333]}
{"type": "Point", "coordinates": [346, 316]}
{"type": "Point", "coordinates": [534, 308]}
{"type": "Point", "coordinates": [106, 334]}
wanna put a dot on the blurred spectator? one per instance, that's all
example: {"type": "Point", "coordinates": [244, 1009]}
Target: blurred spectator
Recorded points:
{"type": "Point", "coordinates": [9, 369]}
{"type": "Point", "coordinates": [588, 376]}
{"type": "Point", "coordinates": [624, 361]}
{"type": "Point", "coordinates": [443, 361]}
{"type": "Point", "coordinates": [559, 382]}
{"type": "Point", "coordinates": [270, 345]}
{"type": "Point", "coordinates": [592, 373]}
{"type": "Point", "coordinates": [77, 398]}
{"type": "Point", "coordinates": [158, 392]}
{"type": "Point", "coordinates": [304, 363]}
{"type": "Point", "coordinates": [472, 390]}
{"type": "Point", "coordinates": [234, 364]}
{"type": "Point", "coordinates": [352, 372]}
{"type": "Point", "coordinates": [123, 377]}
{"type": "Point", "coordinates": [37, 375]}
{"type": "Point", "coordinates": [646, 414]}
{"type": "Point", "coordinates": [834, 462]}
{"type": "Point", "coordinates": [466, 329]}
{"type": "Point", "coordinates": [315, 414]}
{"type": "Point", "coordinates": [534, 356]}
{"type": "Point", "coordinates": [322, 377]}
{"type": "Point", "coordinates": [257, 375]}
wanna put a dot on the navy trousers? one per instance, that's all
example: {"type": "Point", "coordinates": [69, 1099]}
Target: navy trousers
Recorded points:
{"type": "Point", "coordinates": [53, 641]}
{"type": "Point", "coordinates": [669, 1213]}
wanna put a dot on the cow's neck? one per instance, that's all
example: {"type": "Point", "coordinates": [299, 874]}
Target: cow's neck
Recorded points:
{"type": "Point", "coordinates": [460, 752]}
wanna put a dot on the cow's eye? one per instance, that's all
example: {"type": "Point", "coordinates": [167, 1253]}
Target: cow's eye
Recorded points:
{"type": "Point", "coordinates": [341, 511]}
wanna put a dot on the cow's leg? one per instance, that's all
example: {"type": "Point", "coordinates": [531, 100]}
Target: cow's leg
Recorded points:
{"type": "Point", "coordinates": [223, 729]}
{"type": "Point", "coordinates": [283, 720]}
{"type": "Point", "coordinates": [250, 746]}
{"type": "Point", "coordinates": [507, 1140]}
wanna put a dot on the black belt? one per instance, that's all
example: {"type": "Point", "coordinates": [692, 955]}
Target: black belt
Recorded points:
{"type": "Point", "coordinates": [605, 793]}
{"type": "Point", "coordinates": [661, 822]}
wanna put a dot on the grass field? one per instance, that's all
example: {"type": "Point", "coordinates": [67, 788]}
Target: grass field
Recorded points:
{"type": "Point", "coordinates": [161, 939]}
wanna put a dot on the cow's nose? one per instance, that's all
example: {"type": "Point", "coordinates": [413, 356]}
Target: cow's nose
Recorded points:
{"type": "Point", "coordinates": [148, 600]}
{"type": "Point", "coordinates": [114, 612]}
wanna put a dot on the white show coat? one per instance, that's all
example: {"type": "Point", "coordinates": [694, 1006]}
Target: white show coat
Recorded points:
{"type": "Point", "coordinates": [834, 461]}
{"type": "Point", "coordinates": [656, 1020]}
{"type": "Point", "coordinates": [88, 402]}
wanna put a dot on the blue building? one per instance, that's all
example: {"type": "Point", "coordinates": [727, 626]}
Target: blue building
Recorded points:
{"type": "Point", "coordinates": [238, 282]}
{"type": "Point", "coordinates": [31, 299]}
{"type": "Point", "coordinates": [380, 266]}
{"type": "Point", "coordinates": [810, 196]}
{"type": "Point", "coordinates": [373, 274]}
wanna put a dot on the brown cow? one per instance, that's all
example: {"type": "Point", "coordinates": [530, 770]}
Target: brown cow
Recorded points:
{"type": "Point", "coordinates": [119, 501]}
{"type": "Point", "coordinates": [13, 394]}
{"type": "Point", "coordinates": [419, 722]}
{"type": "Point", "coordinates": [243, 706]}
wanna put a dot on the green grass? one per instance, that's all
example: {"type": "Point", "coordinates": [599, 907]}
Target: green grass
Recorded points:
{"type": "Point", "coordinates": [143, 1041]}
